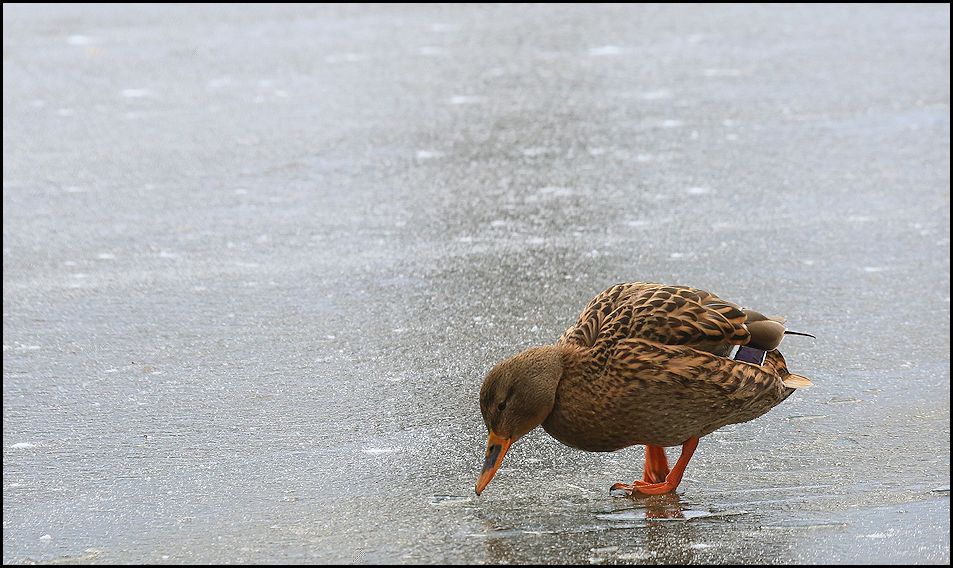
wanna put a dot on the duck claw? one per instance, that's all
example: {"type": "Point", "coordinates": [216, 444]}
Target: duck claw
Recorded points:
{"type": "Point", "coordinates": [625, 488]}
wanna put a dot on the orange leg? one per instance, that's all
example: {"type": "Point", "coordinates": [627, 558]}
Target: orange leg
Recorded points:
{"type": "Point", "coordinates": [673, 478]}
{"type": "Point", "coordinates": [656, 465]}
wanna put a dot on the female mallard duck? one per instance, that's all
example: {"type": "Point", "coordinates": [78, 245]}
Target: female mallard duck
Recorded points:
{"type": "Point", "coordinates": [645, 364]}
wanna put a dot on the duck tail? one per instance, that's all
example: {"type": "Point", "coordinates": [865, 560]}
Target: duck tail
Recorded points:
{"type": "Point", "coordinates": [767, 331]}
{"type": "Point", "coordinates": [801, 333]}
{"type": "Point", "coordinates": [793, 381]}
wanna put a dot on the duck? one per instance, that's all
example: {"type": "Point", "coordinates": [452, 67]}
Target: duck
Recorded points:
{"type": "Point", "coordinates": [645, 364]}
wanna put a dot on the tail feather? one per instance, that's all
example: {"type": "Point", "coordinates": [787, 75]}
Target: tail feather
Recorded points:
{"type": "Point", "coordinates": [767, 331]}
{"type": "Point", "coordinates": [793, 381]}
{"type": "Point", "coordinates": [801, 333]}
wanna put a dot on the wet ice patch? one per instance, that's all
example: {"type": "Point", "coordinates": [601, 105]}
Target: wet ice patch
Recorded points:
{"type": "Point", "coordinates": [22, 446]}
{"type": "Point", "coordinates": [838, 400]}
{"type": "Point", "coordinates": [448, 499]}
{"type": "Point", "coordinates": [692, 514]}
{"type": "Point", "coordinates": [106, 256]}
{"type": "Point", "coordinates": [698, 190]}
{"type": "Point", "coordinates": [429, 154]}
{"type": "Point", "coordinates": [671, 123]}
{"type": "Point", "coordinates": [872, 269]}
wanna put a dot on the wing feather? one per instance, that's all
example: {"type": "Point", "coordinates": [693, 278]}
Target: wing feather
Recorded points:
{"type": "Point", "coordinates": [671, 315]}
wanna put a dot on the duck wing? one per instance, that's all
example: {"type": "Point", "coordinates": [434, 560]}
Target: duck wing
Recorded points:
{"type": "Point", "coordinates": [722, 391]}
{"type": "Point", "coordinates": [670, 315]}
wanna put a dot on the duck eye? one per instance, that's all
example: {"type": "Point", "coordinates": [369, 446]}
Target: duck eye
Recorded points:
{"type": "Point", "coordinates": [502, 406]}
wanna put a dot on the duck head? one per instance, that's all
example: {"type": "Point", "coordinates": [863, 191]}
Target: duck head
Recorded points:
{"type": "Point", "coordinates": [517, 396]}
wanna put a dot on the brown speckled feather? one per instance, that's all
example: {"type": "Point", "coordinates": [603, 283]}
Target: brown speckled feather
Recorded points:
{"type": "Point", "coordinates": [672, 315]}
{"type": "Point", "coordinates": [646, 364]}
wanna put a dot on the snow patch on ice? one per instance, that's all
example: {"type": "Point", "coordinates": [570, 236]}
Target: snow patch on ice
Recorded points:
{"type": "Point", "coordinates": [605, 50]}
{"type": "Point", "coordinates": [465, 99]}
{"type": "Point", "coordinates": [431, 51]}
{"type": "Point", "coordinates": [655, 95]}
{"type": "Point", "coordinates": [721, 72]}
{"type": "Point", "coordinates": [429, 154]}
{"type": "Point", "coordinates": [443, 28]}
{"type": "Point", "coordinates": [535, 151]}
{"type": "Point", "coordinates": [134, 93]}
{"type": "Point", "coordinates": [555, 191]}
{"type": "Point", "coordinates": [377, 451]}
{"type": "Point", "coordinates": [80, 40]}
{"type": "Point", "coordinates": [345, 58]}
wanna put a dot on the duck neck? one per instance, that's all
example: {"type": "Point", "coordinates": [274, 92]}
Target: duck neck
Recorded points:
{"type": "Point", "coordinates": [548, 364]}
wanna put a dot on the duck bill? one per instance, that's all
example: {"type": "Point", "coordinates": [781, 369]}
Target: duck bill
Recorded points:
{"type": "Point", "coordinates": [496, 447]}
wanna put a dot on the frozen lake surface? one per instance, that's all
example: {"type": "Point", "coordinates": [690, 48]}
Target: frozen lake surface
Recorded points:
{"type": "Point", "coordinates": [257, 261]}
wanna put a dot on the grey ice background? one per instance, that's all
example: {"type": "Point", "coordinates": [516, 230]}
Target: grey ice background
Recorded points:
{"type": "Point", "coordinates": [257, 260]}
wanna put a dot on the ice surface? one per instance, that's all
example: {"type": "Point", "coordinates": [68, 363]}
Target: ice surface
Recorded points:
{"type": "Point", "coordinates": [207, 384]}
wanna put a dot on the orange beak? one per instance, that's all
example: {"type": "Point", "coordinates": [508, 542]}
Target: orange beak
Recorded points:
{"type": "Point", "coordinates": [496, 447]}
